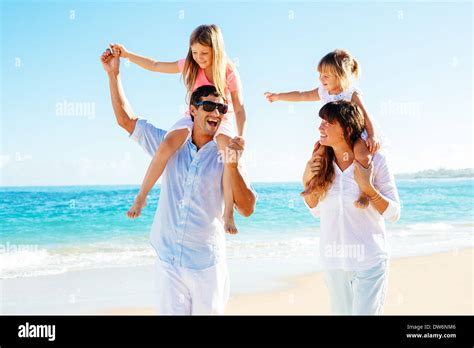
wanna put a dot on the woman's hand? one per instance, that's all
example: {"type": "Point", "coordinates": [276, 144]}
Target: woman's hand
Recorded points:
{"type": "Point", "coordinates": [313, 166]}
{"type": "Point", "coordinates": [120, 50]}
{"type": "Point", "coordinates": [373, 144]}
{"type": "Point", "coordinates": [271, 97]}
{"type": "Point", "coordinates": [364, 177]}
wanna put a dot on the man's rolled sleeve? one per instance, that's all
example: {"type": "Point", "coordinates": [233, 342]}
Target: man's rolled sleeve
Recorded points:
{"type": "Point", "coordinates": [148, 136]}
{"type": "Point", "coordinates": [242, 167]}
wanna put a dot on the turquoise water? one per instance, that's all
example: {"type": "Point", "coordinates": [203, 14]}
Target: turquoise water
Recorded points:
{"type": "Point", "coordinates": [48, 230]}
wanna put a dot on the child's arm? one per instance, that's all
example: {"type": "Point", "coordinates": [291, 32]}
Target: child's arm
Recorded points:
{"type": "Point", "coordinates": [240, 115]}
{"type": "Point", "coordinates": [295, 96]}
{"type": "Point", "coordinates": [151, 177]}
{"type": "Point", "coordinates": [372, 142]}
{"type": "Point", "coordinates": [166, 149]}
{"type": "Point", "coordinates": [145, 62]}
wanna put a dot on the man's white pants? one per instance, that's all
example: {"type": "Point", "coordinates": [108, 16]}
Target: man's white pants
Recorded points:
{"type": "Point", "coordinates": [184, 291]}
{"type": "Point", "coordinates": [360, 292]}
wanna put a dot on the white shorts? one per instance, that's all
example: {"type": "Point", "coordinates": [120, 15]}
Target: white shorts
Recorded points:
{"type": "Point", "coordinates": [226, 127]}
{"type": "Point", "coordinates": [185, 291]}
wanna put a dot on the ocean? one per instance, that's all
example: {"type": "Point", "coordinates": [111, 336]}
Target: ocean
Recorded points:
{"type": "Point", "coordinates": [53, 230]}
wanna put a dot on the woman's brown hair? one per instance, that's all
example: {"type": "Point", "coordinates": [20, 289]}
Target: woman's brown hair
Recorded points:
{"type": "Point", "coordinates": [350, 118]}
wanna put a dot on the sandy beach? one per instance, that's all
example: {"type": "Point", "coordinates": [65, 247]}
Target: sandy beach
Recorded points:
{"type": "Point", "coordinates": [435, 284]}
{"type": "Point", "coordinates": [440, 283]}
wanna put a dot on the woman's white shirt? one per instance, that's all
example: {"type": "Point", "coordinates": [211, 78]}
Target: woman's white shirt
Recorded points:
{"type": "Point", "coordinates": [354, 239]}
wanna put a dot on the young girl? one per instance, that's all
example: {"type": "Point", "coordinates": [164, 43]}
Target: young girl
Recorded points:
{"type": "Point", "coordinates": [205, 64]}
{"type": "Point", "coordinates": [337, 71]}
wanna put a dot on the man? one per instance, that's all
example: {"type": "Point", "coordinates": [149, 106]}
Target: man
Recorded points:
{"type": "Point", "coordinates": [188, 232]}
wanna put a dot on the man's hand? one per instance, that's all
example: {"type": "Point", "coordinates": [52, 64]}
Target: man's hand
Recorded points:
{"type": "Point", "coordinates": [122, 108]}
{"type": "Point", "coordinates": [234, 151]}
{"type": "Point", "coordinates": [110, 62]}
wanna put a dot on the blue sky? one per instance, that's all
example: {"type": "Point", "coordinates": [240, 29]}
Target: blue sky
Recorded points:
{"type": "Point", "coordinates": [416, 61]}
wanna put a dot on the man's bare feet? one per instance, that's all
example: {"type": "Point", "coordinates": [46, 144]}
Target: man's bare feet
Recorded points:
{"type": "Point", "coordinates": [362, 202]}
{"type": "Point", "coordinates": [229, 225]}
{"type": "Point", "coordinates": [136, 208]}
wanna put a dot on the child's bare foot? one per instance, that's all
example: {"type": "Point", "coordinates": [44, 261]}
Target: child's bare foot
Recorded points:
{"type": "Point", "coordinates": [229, 225]}
{"type": "Point", "coordinates": [136, 208]}
{"type": "Point", "coordinates": [362, 202]}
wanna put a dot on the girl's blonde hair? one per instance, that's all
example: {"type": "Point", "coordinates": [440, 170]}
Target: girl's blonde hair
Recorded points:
{"type": "Point", "coordinates": [341, 64]}
{"type": "Point", "coordinates": [210, 36]}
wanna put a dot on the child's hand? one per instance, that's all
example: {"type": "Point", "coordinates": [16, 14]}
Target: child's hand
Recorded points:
{"type": "Point", "coordinates": [119, 50]}
{"type": "Point", "coordinates": [373, 144]}
{"type": "Point", "coordinates": [271, 97]}
{"type": "Point", "coordinates": [136, 208]}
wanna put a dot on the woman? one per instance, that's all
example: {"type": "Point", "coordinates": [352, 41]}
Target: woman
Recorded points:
{"type": "Point", "coordinates": [353, 247]}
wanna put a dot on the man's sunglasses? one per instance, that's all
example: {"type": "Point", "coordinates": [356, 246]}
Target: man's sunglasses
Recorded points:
{"type": "Point", "coordinates": [211, 106]}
